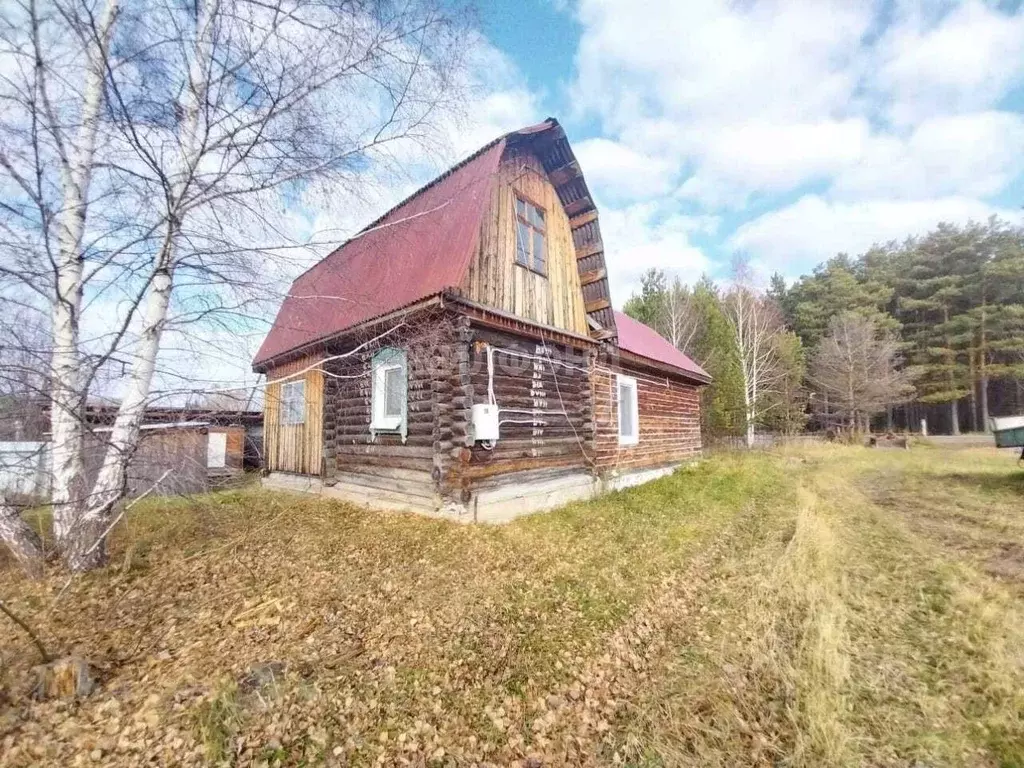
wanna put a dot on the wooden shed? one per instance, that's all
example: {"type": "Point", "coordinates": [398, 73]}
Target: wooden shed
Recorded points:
{"type": "Point", "coordinates": [460, 356]}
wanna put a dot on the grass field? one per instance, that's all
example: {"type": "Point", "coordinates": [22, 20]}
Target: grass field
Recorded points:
{"type": "Point", "coordinates": [820, 606]}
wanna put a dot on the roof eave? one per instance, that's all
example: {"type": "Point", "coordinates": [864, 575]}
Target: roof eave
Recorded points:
{"type": "Point", "coordinates": [261, 366]}
{"type": "Point", "coordinates": [663, 367]}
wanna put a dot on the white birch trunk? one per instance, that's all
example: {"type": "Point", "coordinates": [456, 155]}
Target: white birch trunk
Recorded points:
{"type": "Point", "coordinates": [67, 397]}
{"type": "Point", "coordinates": [83, 552]}
{"type": "Point", "coordinates": [751, 406]}
{"type": "Point", "coordinates": [754, 328]}
{"type": "Point", "coordinates": [88, 551]}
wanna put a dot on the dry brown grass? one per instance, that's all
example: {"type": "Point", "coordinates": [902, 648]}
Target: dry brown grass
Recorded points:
{"type": "Point", "coordinates": [822, 606]}
{"type": "Point", "coordinates": [401, 636]}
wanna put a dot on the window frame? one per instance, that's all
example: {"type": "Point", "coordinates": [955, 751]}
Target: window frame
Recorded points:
{"type": "Point", "coordinates": [385, 360]}
{"type": "Point", "coordinates": [287, 419]}
{"type": "Point", "coordinates": [630, 383]}
{"type": "Point", "coordinates": [534, 231]}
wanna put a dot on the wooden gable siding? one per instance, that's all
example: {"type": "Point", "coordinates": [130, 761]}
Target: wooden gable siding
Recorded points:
{"type": "Point", "coordinates": [294, 447]}
{"type": "Point", "coordinates": [494, 278]}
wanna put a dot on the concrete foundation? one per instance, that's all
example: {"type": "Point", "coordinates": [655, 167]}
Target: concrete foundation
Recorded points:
{"type": "Point", "coordinates": [489, 505]}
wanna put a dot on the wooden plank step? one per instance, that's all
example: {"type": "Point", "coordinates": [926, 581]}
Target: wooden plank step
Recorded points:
{"type": "Point", "coordinates": [596, 304]}
{"type": "Point", "coordinates": [577, 207]}
{"type": "Point", "coordinates": [586, 278]}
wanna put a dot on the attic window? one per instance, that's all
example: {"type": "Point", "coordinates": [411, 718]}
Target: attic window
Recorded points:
{"type": "Point", "coordinates": [531, 250]}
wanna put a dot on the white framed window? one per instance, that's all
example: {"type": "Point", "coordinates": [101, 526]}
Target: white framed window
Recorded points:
{"type": "Point", "coordinates": [629, 413]}
{"type": "Point", "coordinates": [390, 377]}
{"type": "Point", "coordinates": [293, 402]}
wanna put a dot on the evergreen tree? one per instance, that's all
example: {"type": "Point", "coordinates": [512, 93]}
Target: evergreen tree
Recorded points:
{"type": "Point", "coordinates": [952, 300]}
{"type": "Point", "coordinates": [839, 285]}
{"type": "Point", "coordinates": [931, 299]}
{"type": "Point", "coordinates": [648, 306]}
{"type": "Point", "coordinates": [779, 293]}
{"type": "Point", "coordinates": [722, 409]}
{"type": "Point", "coordinates": [993, 324]}
{"type": "Point", "coordinates": [786, 407]}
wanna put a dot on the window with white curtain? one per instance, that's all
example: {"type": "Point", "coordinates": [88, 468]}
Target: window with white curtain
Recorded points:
{"type": "Point", "coordinates": [629, 416]}
{"type": "Point", "coordinates": [390, 385]}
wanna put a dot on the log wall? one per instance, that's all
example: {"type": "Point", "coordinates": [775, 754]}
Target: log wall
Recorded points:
{"type": "Point", "coordinates": [369, 463]}
{"type": "Point", "coordinates": [669, 412]}
{"type": "Point", "coordinates": [547, 421]}
{"type": "Point", "coordinates": [558, 411]}
{"type": "Point", "coordinates": [294, 447]}
{"type": "Point", "coordinates": [495, 279]}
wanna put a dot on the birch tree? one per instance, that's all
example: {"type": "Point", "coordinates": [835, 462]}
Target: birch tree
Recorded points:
{"type": "Point", "coordinates": [139, 137]}
{"type": "Point", "coordinates": [681, 321]}
{"type": "Point", "coordinates": [755, 323]}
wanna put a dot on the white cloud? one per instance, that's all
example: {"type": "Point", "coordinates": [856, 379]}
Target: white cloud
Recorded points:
{"type": "Point", "coordinates": [722, 85]}
{"type": "Point", "coordinates": [770, 157]}
{"type": "Point", "coordinates": [620, 172]}
{"type": "Point", "coordinates": [500, 102]}
{"type": "Point", "coordinates": [716, 60]}
{"type": "Point", "coordinates": [976, 155]}
{"type": "Point", "coordinates": [965, 59]}
{"type": "Point", "coordinates": [768, 97]}
{"type": "Point", "coordinates": [642, 236]}
{"type": "Point", "coordinates": [795, 238]}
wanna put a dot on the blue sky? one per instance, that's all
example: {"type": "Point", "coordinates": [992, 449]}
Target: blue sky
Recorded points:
{"type": "Point", "coordinates": [785, 131]}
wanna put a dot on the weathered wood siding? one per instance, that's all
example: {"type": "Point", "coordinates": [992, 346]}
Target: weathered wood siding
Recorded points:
{"type": "Point", "coordinates": [167, 462]}
{"type": "Point", "coordinates": [545, 409]}
{"type": "Point", "coordinates": [669, 412]}
{"type": "Point", "coordinates": [294, 447]}
{"type": "Point", "coordinates": [495, 279]}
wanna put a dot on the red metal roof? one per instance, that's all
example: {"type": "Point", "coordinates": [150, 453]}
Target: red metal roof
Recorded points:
{"type": "Point", "coordinates": [417, 249]}
{"type": "Point", "coordinates": [644, 341]}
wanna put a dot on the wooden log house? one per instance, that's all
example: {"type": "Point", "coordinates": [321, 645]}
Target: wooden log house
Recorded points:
{"type": "Point", "coordinates": [460, 356]}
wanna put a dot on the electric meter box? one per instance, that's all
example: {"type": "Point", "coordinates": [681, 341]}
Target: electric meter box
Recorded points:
{"type": "Point", "coordinates": [485, 421]}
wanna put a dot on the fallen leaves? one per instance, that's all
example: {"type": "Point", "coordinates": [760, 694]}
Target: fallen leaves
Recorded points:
{"type": "Point", "coordinates": [401, 640]}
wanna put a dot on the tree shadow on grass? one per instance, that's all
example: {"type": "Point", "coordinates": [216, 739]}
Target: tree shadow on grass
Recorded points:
{"type": "Point", "coordinates": [989, 482]}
